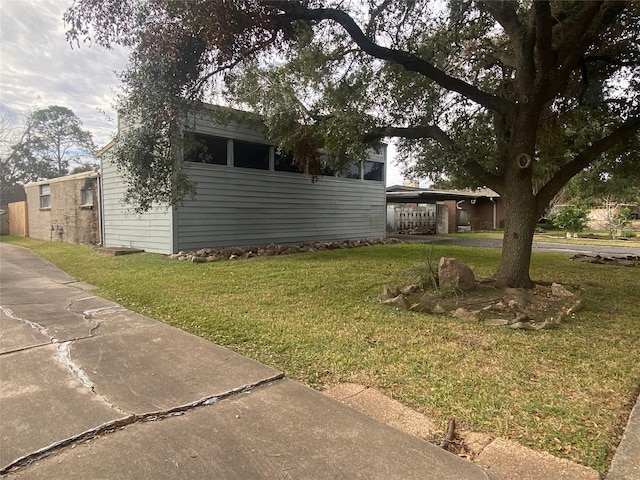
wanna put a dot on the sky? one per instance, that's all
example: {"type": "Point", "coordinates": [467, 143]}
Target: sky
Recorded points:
{"type": "Point", "coordinates": [39, 68]}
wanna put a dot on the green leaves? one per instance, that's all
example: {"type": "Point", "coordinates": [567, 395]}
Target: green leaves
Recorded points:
{"type": "Point", "coordinates": [572, 218]}
{"type": "Point", "coordinates": [52, 139]}
{"type": "Point", "coordinates": [492, 80]}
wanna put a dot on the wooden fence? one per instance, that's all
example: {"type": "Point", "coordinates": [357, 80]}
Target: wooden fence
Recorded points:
{"type": "Point", "coordinates": [18, 219]}
{"type": "Point", "coordinates": [412, 218]}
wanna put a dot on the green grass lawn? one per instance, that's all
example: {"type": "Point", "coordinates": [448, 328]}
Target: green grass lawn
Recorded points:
{"type": "Point", "coordinates": [316, 316]}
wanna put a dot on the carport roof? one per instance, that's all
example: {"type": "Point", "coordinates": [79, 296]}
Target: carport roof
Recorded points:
{"type": "Point", "coordinates": [402, 194]}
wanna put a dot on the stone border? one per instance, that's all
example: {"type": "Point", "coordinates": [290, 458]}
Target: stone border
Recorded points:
{"type": "Point", "coordinates": [206, 255]}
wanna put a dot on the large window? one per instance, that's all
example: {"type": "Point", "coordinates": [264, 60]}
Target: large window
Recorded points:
{"type": "Point", "coordinates": [251, 155]}
{"type": "Point", "coordinates": [45, 196]}
{"type": "Point", "coordinates": [332, 168]}
{"type": "Point", "coordinates": [374, 171]}
{"type": "Point", "coordinates": [350, 170]}
{"type": "Point", "coordinates": [284, 163]}
{"type": "Point", "coordinates": [205, 149]}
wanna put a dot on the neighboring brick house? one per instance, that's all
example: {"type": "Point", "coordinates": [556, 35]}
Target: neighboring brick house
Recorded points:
{"type": "Point", "coordinates": [65, 209]}
{"type": "Point", "coordinates": [480, 209]}
{"type": "Point", "coordinates": [447, 211]}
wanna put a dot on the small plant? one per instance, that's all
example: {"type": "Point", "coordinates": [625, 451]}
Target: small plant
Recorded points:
{"type": "Point", "coordinates": [572, 218]}
{"type": "Point", "coordinates": [425, 274]}
{"type": "Point", "coordinates": [617, 220]}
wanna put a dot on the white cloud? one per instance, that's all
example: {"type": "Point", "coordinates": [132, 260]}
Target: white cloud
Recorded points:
{"type": "Point", "coordinates": [39, 68]}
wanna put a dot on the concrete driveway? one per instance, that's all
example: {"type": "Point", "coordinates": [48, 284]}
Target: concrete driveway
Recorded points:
{"type": "Point", "coordinates": [90, 390]}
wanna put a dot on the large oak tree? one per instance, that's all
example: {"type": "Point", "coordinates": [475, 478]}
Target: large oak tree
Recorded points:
{"type": "Point", "coordinates": [51, 140]}
{"type": "Point", "coordinates": [519, 95]}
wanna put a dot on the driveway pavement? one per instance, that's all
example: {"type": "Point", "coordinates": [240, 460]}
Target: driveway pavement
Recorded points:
{"type": "Point", "coordinates": [90, 390]}
{"type": "Point", "coordinates": [586, 248]}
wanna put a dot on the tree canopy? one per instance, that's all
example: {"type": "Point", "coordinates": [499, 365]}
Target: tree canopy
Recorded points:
{"type": "Point", "coordinates": [51, 139]}
{"type": "Point", "coordinates": [520, 96]}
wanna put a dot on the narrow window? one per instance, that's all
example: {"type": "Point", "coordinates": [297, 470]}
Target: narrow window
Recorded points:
{"type": "Point", "coordinates": [344, 169]}
{"type": "Point", "coordinates": [374, 171]}
{"type": "Point", "coordinates": [284, 163]}
{"type": "Point", "coordinates": [86, 197]}
{"type": "Point", "coordinates": [251, 155]}
{"type": "Point", "coordinates": [45, 196]}
{"type": "Point", "coordinates": [349, 170]}
{"type": "Point", "coordinates": [202, 148]}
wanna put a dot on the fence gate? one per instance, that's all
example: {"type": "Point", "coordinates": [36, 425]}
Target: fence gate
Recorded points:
{"type": "Point", "coordinates": [18, 219]}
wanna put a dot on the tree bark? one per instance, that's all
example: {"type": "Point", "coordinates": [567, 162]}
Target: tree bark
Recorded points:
{"type": "Point", "coordinates": [520, 223]}
{"type": "Point", "coordinates": [521, 209]}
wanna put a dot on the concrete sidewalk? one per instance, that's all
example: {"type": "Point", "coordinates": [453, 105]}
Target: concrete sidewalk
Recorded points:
{"type": "Point", "coordinates": [89, 389]}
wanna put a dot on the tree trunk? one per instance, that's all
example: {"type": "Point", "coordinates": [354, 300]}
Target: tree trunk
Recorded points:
{"type": "Point", "coordinates": [521, 210]}
{"type": "Point", "coordinates": [520, 224]}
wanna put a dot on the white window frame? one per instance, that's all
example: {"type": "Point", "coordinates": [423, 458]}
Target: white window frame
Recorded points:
{"type": "Point", "coordinates": [45, 196]}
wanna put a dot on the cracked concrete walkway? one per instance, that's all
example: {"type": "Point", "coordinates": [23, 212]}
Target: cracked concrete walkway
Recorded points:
{"type": "Point", "coordinates": [89, 389]}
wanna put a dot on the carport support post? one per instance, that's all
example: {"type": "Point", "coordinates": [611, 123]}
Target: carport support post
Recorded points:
{"type": "Point", "coordinates": [495, 213]}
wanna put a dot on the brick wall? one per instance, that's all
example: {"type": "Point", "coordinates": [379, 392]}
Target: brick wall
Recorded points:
{"type": "Point", "coordinates": [479, 214]}
{"type": "Point", "coordinates": [72, 214]}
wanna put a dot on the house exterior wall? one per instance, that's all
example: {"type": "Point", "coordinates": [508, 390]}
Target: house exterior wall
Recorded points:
{"type": "Point", "coordinates": [151, 231]}
{"type": "Point", "coordinates": [237, 206]}
{"type": "Point", "coordinates": [242, 207]}
{"type": "Point", "coordinates": [67, 218]}
{"type": "Point", "coordinates": [481, 214]}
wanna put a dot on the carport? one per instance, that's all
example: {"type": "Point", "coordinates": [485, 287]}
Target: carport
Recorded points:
{"type": "Point", "coordinates": [424, 210]}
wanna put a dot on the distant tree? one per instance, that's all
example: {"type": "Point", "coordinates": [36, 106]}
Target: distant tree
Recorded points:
{"type": "Point", "coordinates": [51, 140]}
{"type": "Point", "coordinates": [83, 167]}
{"type": "Point", "coordinates": [10, 166]}
{"type": "Point", "coordinates": [572, 218]}
{"type": "Point", "coordinates": [518, 95]}
{"type": "Point", "coordinates": [612, 180]}
{"type": "Point", "coordinates": [618, 219]}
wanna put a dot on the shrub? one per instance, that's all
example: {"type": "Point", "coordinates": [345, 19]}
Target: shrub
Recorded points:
{"type": "Point", "coordinates": [571, 218]}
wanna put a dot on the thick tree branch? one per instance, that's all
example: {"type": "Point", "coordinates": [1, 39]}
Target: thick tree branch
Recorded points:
{"type": "Point", "coordinates": [573, 38]}
{"type": "Point", "coordinates": [423, 131]}
{"type": "Point", "coordinates": [543, 55]}
{"type": "Point", "coordinates": [411, 62]}
{"type": "Point", "coordinates": [504, 12]}
{"type": "Point", "coordinates": [478, 172]}
{"type": "Point", "coordinates": [584, 159]}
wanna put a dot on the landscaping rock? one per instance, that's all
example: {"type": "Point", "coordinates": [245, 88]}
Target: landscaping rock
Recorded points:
{"type": "Point", "coordinates": [576, 307]}
{"type": "Point", "coordinates": [523, 326]}
{"type": "Point", "coordinates": [409, 289]}
{"type": "Point", "coordinates": [496, 322]}
{"type": "Point", "coordinates": [438, 309]}
{"type": "Point", "coordinates": [399, 302]}
{"type": "Point", "coordinates": [466, 315]}
{"type": "Point", "coordinates": [515, 298]}
{"type": "Point", "coordinates": [388, 293]}
{"type": "Point", "coordinates": [453, 273]}
{"type": "Point", "coordinates": [559, 291]}
{"type": "Point", "coordinates": [234, 253]}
